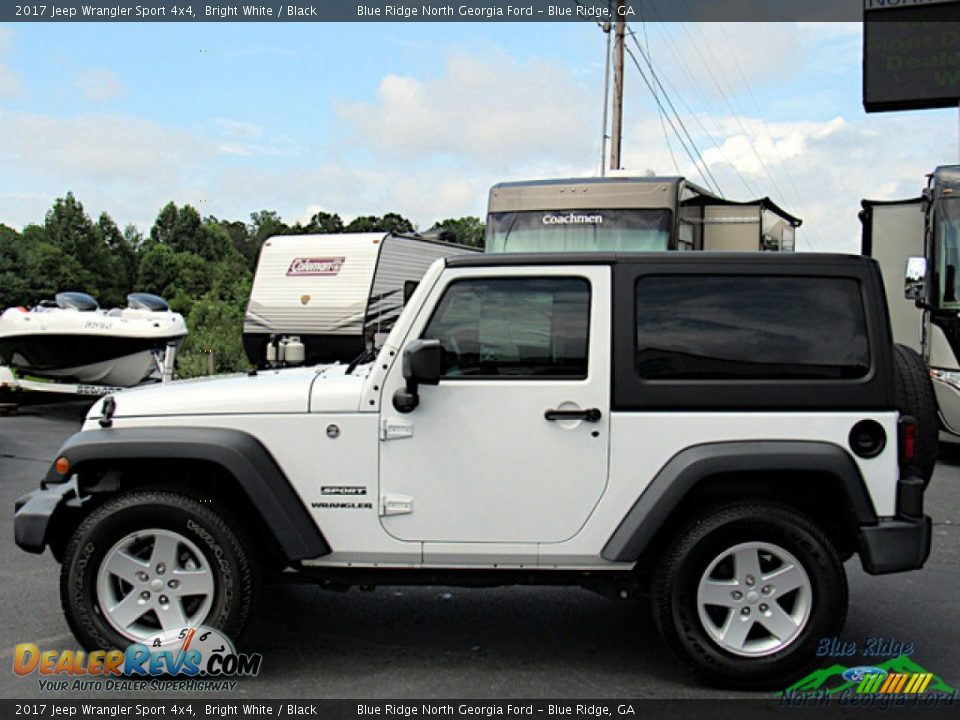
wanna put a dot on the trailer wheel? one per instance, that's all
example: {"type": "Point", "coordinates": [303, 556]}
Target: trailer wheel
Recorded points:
{"type": "Point", "coordinates": [915, 397]}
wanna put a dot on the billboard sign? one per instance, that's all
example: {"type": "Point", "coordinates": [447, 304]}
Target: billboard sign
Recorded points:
{"type": "Point", "coordinates": [911, 54]}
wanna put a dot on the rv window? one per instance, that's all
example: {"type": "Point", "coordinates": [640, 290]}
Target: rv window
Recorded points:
{"type": "Point", "coordinates": [750, 328]}
{"type": "Point", "coordinates": [513, 327]}
{"type": "Point", "coordinates": [948, 252]}
{"type": "Point", "coordinates": [578, 230]}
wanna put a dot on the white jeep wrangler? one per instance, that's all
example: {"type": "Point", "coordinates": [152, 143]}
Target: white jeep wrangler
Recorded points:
{"type": "Point", "coordinates": [722, 431]}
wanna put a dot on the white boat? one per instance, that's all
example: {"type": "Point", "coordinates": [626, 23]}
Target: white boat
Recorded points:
{"type": "Point", "coordinates": [70, 339]}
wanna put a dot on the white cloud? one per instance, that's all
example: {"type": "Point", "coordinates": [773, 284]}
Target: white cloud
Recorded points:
{"type": "Point", "coordinates": [493, 110]}
{"type": "Point", "coordinates": [125, 165]}
{"type": "Point", "coordinates": [430, 148]}
{"type": "Point", "coordinates": [817, 170]}
{"type": "Point", "coordinates": [246, 139]}
{"type": "Point", "coordinates": [10, 84]}
{"type": "Point", "coordinates": [238, 130]}
{"type": "Point", "coordinates": [100, 85]}
{"type": "Point", "coordinates": [717, 59]}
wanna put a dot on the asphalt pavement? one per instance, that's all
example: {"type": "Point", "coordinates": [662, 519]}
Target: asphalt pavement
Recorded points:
{"type": "Point", "coordinates": [448, 642]}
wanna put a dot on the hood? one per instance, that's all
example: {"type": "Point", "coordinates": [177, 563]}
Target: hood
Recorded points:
{"type": "Point", "coordinates": [270, 391]}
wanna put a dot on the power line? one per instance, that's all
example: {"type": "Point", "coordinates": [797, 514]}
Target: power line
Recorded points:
{"type": "Point", "coordinates": [801, 203]}
{"type": "Point", "coordinates": [696, 116]}
{"type": "Point", "coordinates": [663, 124]}
{"type": "Point", "coordinates": [706, 168]}
{"type": "Point", "coordinates": [735, 113]}
{"type": "Point", "coordinates": [690, 154]}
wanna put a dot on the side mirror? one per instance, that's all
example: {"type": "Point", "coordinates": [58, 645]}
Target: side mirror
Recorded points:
{"type": "Point", "coordinates": [915, 278]}
{"type": "Point", "coordinates": [422, 365]}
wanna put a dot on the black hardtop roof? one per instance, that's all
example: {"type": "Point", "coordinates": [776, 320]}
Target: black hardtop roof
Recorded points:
{"type": "Point", "coordinates": [771, 260]}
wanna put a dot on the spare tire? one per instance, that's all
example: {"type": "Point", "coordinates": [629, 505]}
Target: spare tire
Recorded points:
{"type": "Point", "coordinates": [915, 397]}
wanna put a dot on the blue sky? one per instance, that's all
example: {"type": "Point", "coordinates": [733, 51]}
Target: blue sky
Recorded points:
{"type": "Point", "coordinates": [422, 118]}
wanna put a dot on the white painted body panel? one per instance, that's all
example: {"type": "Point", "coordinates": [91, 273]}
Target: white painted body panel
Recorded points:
{"type": "Point", "coordinates": [483, 463]}
{"type": "Point", "coordinates": [492, 484]}
{"type": "Point", "coordinates": [644, 442]}
{"type": "Point", "coordinates": [273, 391]}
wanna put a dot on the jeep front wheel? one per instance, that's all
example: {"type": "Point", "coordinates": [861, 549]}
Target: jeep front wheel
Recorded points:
{"type": "Point", "coordinates": [151, 561]}
{"type": "Point", "coordinates": [746, 592]}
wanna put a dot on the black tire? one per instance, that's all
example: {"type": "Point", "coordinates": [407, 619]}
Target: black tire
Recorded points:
{"type": "Point", "coordinates": [915, 397]}
{"type": "Point", "coordinates": [234, 569]}
{"type": "Point", "coordinates": [692, 550]}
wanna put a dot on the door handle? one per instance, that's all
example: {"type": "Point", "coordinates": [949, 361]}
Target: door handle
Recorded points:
{"type": "Point", "coordinates": [590, 415]}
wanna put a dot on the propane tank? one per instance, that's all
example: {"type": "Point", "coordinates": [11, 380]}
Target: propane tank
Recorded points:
{"type": "Point", "coordinates": [294, 352]}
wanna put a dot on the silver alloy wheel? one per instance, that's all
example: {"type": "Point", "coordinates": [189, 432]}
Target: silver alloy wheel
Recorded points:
{"type": "Point", "coordinates": [153, 580]}
{"type": "Point", "coordinates": [754, 599]}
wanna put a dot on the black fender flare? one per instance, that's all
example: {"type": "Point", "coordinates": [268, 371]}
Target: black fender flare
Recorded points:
{"type": "Point", "coordinates": [698, 463]}
{"type": "Point", "coordinates": [242, 455]}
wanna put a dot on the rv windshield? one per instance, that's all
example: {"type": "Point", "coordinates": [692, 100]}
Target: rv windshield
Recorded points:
{"type": "Point", "coordinates": [948, 252]}
{"type": "Point", "coordinates": [578, 230]}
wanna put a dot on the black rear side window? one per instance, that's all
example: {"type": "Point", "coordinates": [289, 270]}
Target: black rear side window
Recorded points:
{"type": "Point", "coordinates": [750, 327]}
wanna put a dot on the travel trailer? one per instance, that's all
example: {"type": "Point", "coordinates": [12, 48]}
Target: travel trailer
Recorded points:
{"type": "Point", "coordinates": [326, 298]}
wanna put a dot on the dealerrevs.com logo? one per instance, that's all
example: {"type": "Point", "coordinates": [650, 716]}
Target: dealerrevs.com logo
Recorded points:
{"type": "Point", "coordinates": [189, 659]}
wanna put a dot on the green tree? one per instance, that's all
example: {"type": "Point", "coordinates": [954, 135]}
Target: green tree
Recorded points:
{"type": "Point", "coordinates": [215, 326]}
{"type": "Point", "coordinates": [50, 270]}
{"type": "Point", "coordinates": [69, 228]}
{"type": "Point", "coordinates": [14, 288]}
{"type": "Point", "coordinates": [243, 243]}
{"type": "Point", "coordinates": [177, 228]}
{"type": "Point", "coordinates": [391, 222]}
{"type": "Point", "coordinates": [465, 231]}
{"type": "Point", "coordinates": [324, 223]}
{"type": "Point", "coordinates": [157, 272]}
{"type": "Point", "coordinates": [264, 224]}
{"type": "Point", "coordinates": [119, 272]}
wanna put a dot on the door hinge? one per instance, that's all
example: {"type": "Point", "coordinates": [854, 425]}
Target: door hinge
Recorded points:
{"type": "Point", "coordinates": [396, 504]}
{"type": "Point", "coordinates": [395, 429]}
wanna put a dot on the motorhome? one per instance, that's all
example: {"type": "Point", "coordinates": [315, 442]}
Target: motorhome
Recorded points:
{"type": "Point", "coordinates": [631, 214]}
{"type": "Point", "coordinates": [917, 243]}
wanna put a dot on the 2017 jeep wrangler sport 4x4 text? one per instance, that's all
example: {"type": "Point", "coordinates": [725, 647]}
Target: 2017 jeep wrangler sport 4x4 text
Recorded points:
{"type": "Point", "coordinates": [723, 431]}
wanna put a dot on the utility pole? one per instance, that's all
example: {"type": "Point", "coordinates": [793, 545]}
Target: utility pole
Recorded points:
{"type": "Point", "coordinates": [607, 27]}
{"type": "Point", "coordinates": [616, 132]}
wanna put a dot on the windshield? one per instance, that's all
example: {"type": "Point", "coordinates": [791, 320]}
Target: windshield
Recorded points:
{"type": "Point", "coordinates": [578, 230]}
{"type": "Point", "coordinates": [948, 251]}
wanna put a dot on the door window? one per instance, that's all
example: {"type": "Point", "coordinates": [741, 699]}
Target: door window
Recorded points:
{"type": "Point", "coordinates": [513, 327]}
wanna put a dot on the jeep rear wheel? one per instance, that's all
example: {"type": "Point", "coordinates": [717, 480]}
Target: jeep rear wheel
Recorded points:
{"type": "Point", "coordinates": [747, 591]}
{"type": "Point", "coordinates": [151, 561]}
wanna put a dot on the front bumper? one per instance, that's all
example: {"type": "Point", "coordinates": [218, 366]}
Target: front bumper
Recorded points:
{"type": "Point", "coordinates": [36, 510]}
{"type": "Point", "coordinates": [900, 543]}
